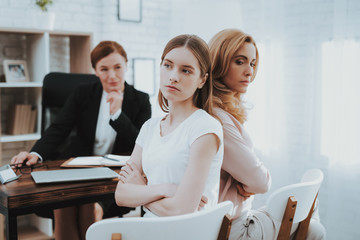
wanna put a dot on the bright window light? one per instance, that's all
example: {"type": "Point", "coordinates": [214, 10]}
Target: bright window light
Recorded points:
{"type": "Point", "coordinates": [265, 94]}
{"type": "Point", "coordinates": [340, 102]}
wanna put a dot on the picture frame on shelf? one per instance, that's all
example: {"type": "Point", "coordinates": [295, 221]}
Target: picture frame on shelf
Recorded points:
{"type": "Point", "coordinates": [130, 10]}
{"type": "Point", "coordinates": [144, 75]}
{"type": "Point", "coordinates": [16, 71]}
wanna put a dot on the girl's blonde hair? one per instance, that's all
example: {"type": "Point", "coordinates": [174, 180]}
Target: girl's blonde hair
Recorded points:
{"type": "Point", "coordinates": [223, 47]}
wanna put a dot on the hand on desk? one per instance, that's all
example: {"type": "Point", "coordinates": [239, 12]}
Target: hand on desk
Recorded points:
{"type": "Point", "coordinates": [29, 159]}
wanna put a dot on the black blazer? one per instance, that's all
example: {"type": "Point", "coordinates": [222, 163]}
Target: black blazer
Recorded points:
{"type": "Point", "coordinates": [81, 111]}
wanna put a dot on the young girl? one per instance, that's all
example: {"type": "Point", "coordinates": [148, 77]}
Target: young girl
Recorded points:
{"type": "Point", "coordinates": [181, 153]}
{"type": "Point", "coordinates": [235, 59]}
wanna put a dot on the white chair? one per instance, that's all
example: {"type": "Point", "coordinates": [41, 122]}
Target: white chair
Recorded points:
{"type": "Point", "coordinates": [208, 224]}
{"type": "Point", "coordinates": [292, 205]}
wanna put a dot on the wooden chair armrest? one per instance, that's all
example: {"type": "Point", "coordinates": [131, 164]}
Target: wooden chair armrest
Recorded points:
{"type": "Point", "coordinates": [225, 228]}
{"type": "Point", "coordinates": [116, 236]}
{"type": "Point", "coordinates": [287, 221]}
{"type": "Point", "coordinates": [303, 227]}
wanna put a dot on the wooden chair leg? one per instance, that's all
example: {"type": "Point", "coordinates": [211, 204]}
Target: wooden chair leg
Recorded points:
{"type": "Point", "coordinates": [287, 221]}
{"type": "Point", "coordinates": [116, 236]}
{"type": "Point", "coordinates": [303, 227]}
{"type": "Point", "coordinates": [225, 228]}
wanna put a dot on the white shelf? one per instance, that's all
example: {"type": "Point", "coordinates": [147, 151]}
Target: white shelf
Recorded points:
{"type": "Point", "coordinates": [19, 138]}
{"type": "Point", "coordinates": [21, 84]}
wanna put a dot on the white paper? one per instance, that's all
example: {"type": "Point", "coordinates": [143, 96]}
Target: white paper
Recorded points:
{"type": "Point", "coordinates": [98, 160]}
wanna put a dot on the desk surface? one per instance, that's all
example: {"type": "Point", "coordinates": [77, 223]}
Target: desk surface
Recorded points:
{"type": "Point", "coordinates": [24, 196]}
{"type": "Point", "coordinates": [24, 193]}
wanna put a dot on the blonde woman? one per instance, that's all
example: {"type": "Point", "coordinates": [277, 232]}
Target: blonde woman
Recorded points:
{"type": "Point", "coordinates": [235, 61]}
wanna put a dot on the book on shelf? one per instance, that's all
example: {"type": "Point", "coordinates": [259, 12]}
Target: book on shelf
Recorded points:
{"type": "Point", "coordinates": [32, 122]}
{"type": "Point", "coordinates": [14, 120]}
{"type": "Point", "coordinates": [22, 119]}
{"type": "Point", "coordinates": [11, 120]}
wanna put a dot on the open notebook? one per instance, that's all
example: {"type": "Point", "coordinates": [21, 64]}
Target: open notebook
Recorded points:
{"type": "Point", "coordinates": [109, 160]}
{"type": "Point", "coordinates": [70, 175]}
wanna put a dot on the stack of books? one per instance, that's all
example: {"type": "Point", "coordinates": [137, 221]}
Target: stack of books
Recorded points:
{"type": "Point", "coordinates": [22, 119]}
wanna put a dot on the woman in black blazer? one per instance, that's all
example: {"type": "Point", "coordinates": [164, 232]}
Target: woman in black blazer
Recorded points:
{"type": "Point", "coordinates": [81, 111]}
{"type": "Point", "coordinates": [107, 116]}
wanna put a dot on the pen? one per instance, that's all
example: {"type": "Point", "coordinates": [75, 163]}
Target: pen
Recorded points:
{"type": "Point", "coordinates": [112, 159]}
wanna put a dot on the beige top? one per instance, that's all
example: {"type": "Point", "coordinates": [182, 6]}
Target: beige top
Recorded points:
{"type": "Point", "coordinates": [240, 165]}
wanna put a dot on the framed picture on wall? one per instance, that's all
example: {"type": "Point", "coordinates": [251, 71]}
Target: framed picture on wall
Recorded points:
{"type": "Point", "coordinates": [16, 71]}
{"type": "Point", "coordinates": [144, 75]}
{"type": "Point", "coordinates": [130, 10]}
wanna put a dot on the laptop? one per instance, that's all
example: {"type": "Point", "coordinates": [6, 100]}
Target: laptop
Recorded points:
{"type": "Point", "coordinates": [70, 175]}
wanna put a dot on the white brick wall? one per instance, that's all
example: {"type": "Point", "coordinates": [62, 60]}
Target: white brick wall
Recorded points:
{"type": "Point", "coordinates": [59, 54]}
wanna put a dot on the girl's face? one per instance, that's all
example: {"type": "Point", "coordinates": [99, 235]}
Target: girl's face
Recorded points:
{"type": "Point", "coordinates": [111, 71]}
{"type": "Point", "coordinates": [180, 75]}
{"type": "Point", "coordinates": [241, 68]}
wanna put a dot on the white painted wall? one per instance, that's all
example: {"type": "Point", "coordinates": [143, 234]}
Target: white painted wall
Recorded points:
{"type": "Point", "coordinates": [205, 17]}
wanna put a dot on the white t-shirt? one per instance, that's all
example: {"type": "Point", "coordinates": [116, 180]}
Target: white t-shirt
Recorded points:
{"type": "Point", "coordinates": [164, 159]}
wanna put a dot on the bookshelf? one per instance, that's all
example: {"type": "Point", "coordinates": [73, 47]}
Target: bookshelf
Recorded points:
{"type": "Point", "coordinates": [35, 46]}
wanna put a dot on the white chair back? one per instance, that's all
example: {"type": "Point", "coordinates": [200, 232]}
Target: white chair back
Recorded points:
{"type": "Point", "coordinates": [203, 224]}
{"type": "Point", "coordinates": [304, 192]}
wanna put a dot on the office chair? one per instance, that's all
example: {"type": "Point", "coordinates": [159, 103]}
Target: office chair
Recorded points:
{"type": "Point", "coordinates": [209, 224]}
{"type": "Point", "coordinates": [293, 205]}
{"type": "Point", "coordinates": [57, 87]}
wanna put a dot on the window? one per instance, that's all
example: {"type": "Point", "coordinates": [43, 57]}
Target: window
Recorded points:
{"type": "Point", "coordinates": [340, 108]}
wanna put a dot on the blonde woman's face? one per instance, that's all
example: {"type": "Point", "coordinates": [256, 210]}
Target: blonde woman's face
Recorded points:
{"type": "Point", "coordinates": [241, 69]}
{"type": "Point", "coordinates": [180, 75]}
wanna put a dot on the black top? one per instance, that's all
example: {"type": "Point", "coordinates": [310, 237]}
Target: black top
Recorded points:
{"type": "Point", "coordinates": [81, 112]}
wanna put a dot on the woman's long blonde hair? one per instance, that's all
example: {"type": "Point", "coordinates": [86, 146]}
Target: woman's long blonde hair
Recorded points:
{"type": "Point", "coordinates": [223, 47]}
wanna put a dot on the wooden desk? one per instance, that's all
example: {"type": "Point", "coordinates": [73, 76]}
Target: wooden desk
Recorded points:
{"type": "Point", "coordinates": [24, 196]}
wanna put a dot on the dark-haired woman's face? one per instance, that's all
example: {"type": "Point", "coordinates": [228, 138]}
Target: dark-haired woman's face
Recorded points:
{"type": "Point", "coordinates": [111, 71]}
{"type": "Point", "coordinates": [241, 68]}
